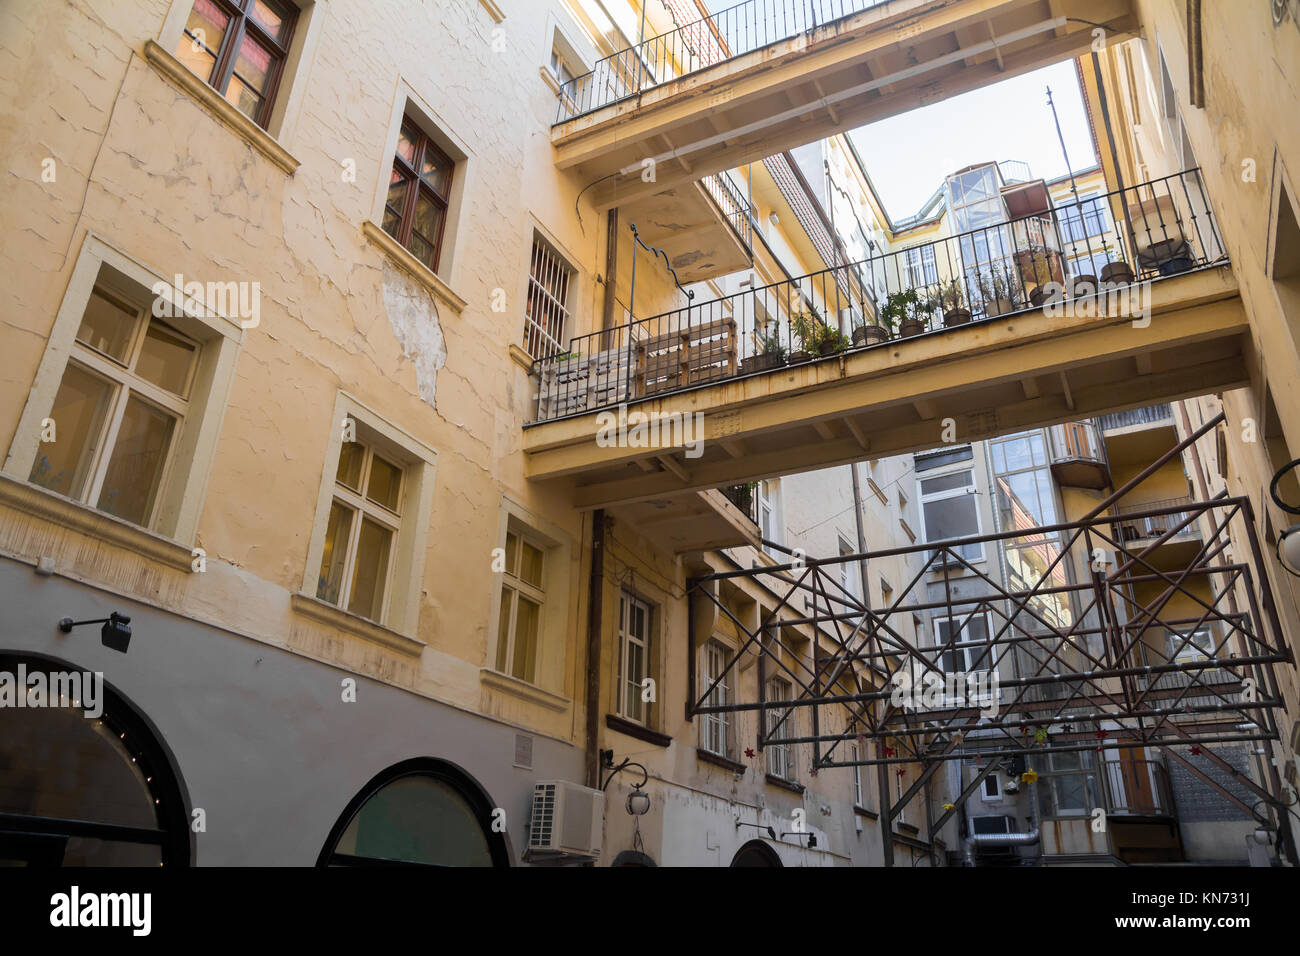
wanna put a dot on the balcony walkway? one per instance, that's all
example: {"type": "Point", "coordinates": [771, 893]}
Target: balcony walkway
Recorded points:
{"type": "Point", "coordinates": [733, 400]}
{"type": "Point", "coordinates": [764, 76]}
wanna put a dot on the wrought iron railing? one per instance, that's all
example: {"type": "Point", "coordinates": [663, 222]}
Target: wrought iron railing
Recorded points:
{"type": "Point", "coordinates": [1139, 527]}
{"type": "Point", "coordinates": [735, 208]}
{"type": "Point", "coordinates": [1150, 415]}
{"type": "Point", "coordinates": [744, 497]}
{"type": "Point", "coordinates": [994, 271]}
{"type": "Point", "coordinates": [721, 36]}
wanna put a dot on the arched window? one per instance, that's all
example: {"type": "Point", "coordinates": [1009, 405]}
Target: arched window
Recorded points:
{"type": "Point", "coordinates": [756, 853]}
{"type": "Point", "coordinates": [421, 812]}
{"type": "Point", "coordinates": [79, 787]}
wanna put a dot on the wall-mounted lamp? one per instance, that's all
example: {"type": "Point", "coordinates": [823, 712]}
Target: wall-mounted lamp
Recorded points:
{"type": "Point", "coordinates": [115, 634]}
{"type": "Point", "coordinates": [638, 801]}
{"type": "Point", "coordinates": [770, 831]}
{"type": "Point", "coordinates": [1288, 543]}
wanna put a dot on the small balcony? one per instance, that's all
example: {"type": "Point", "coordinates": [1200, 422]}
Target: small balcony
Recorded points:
{"type": "Point", "coordinates": [1151, 415]}
{"type": "Point", "coordinates": [705, 228]}
{"type": "Point", "coordinates": [1141, 523]}
{"type": "Point", "coordinates": [986, 325]}
{"type": "Point", "coordinates": [1138, 802]}
{"type": "Point", "coordinates": [1079, 456]}
{"type": "Point", "coordinates": [763, 76]}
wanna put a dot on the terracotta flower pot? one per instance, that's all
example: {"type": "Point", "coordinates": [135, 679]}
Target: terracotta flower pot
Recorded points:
{"type": "Point", "coordinates": [956, 317]}
{"type": "Point", "coordinates": [870, 335]}
{"type": "Point", "coordinates": [1085, 285]}
{"type": "Point", "coordinates": [1119, 272]}
{"type": "Point", "coordinates": [909, 327]}
{"type": "Point", "coordinates": [999, 306]}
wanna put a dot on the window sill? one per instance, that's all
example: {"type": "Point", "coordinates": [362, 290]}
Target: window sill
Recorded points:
{"type": "Point", "coordinates": [39, 503]}
{"type": "Point", "coordinates": [784, 784]}
{"type": "Point", "coordinates": [550, 79]}
{"type": "Point", "coordinates": [908, 828]}
{"type": "Point", "coordinates": [522, 689]}
{"type": "Point", "coordinates": [864, 812]}
{"type": "Point", "coordinates": [178, 73]}
{"type": "Point", "coordinates": [417, 269]}
{"type": "Point", "coordinates": [726, 763]}
{"type": "Point", "coordinates": [633, 729]}
{"type": "Point", "coordinates": [521, 358]}
{"type": "Point", "coordinates": [325, 613]}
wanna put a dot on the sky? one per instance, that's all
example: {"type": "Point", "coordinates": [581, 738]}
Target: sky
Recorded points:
{"type": "Point", "coordinates": [908, 156]}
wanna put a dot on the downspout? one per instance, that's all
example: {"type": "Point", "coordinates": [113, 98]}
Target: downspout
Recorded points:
{"type": "Point", "coordinates": [595, 600]}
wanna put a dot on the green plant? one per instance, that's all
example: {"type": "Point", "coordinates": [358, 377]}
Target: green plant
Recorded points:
{"type": "Point", "coordinates": [952, 294]}
{"type": "Point", "coordinates": [898, 306]}
{"type": "Point", "coordinates": [809, 329]}
{"type": "Point", "coordinates": [770, 345]}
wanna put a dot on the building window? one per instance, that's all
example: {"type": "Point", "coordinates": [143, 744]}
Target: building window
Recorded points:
{"type": "Point", "coordinates": [364, 521]}
{"type": "Point", "coordinates": [855, 752]}
{"type": "Point", "coordinates": [921, 269]}
{"type": "Point", "coordinates": [559, 66]}
{"type": "Point", "coordinates": [546, 314]}
{"type": "Point", "coordinates": [522, 600]}
{"type": "Point", "coordinates": [419, 190]}
{"type": "Point", "coordinates": [950, 509]}
{"type": "Point", "coordinates": [769, 514]}
{"type": "Point", "coordinates": [239, 47]}
{"type": "Point", "coordinates": [779, 722]}
{"type": "Point", "coordinates": [119, 410]}
{"type": "Point", "coordinates": [715, 729]}
{"type": "Point", "coordinates": [1082, 219]}
{"type": "Point", "coordinates": [978, 656]}
{"type": "Point", "coordinates": [849, 577]}
{"type": "Point", "coordinates": [633, 657]}
{"type": "Point", "coordinates": [992, 788]}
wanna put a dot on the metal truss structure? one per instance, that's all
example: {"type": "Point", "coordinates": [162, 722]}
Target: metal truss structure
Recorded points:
{"type": "Point", "coordinates": [1097, 642]}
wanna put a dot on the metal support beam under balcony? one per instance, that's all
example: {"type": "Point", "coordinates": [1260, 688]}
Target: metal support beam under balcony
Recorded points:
{"type": "Point", "coordinates": [764, 76]}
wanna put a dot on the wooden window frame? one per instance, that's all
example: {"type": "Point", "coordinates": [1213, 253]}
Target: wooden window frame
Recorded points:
{"type": "Point", "coordinates": [415, 186]}
{"type": "Point", "coordinates": [241, 24]}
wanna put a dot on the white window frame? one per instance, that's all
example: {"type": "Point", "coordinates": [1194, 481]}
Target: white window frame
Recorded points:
{"type": "Point", "coordinates": [768, 493]}
{"type": "Point", "coordinates": [971, 489]}
{"type": "Point", "coordinates": [362, 508]}
{"type": "Point", "coordinates": [505, 645]}
{"type": "Point", "coordinates": [996, 796]}
{"type": "Point", "coordinates": [857, 777]}
{"type": "Point", "coordinates": [962, 619]}
{"type": "Point", "coordinates": [716, 726]}
{"type": "Point", "coordinates": [779, 758]}
{"type": "Point", "coordinates": [626, 640]}
{"type": "Point", "coordinates": [126, 383]}
{"type": "Point", "coordinates": [850, 579]}
{"type": "Point", "coordinates": [180, 495]}
{"type": "Point", "coordinates": [406, 560]}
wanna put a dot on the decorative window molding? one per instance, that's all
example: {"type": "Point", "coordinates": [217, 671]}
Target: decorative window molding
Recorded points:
{"type": "Point", "coordinates": [179, 497]}
{"type": "Point", "coordinates": [323, 612]}
{"type": "Point", "coordinates": [405, 571]}
{"type": "Point", "coordinates": [411, 110]}
{"type": "Point", "coordinates": [551, 654]}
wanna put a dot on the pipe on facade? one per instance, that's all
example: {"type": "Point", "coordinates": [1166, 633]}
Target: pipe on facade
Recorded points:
{"type": "Point", "coordinates": [998, 840]}
{"type": "Point", "coordinates": [595, 595]}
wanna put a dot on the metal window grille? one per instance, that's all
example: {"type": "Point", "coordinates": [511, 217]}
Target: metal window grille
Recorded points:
{"type": "Point", "coordinates": [547, 310]}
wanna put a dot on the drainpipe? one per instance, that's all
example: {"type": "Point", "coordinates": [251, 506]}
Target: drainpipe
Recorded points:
{"type": "Point", "coordinates": [595, 598]}
{"type": "Point", "coordinates": [862, 534]}
{"type": "Point", "coordinates": [999, 840]}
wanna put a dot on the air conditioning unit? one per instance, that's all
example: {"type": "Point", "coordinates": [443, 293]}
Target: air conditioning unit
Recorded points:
{"type": "Point", "coordinates": [566, 822]}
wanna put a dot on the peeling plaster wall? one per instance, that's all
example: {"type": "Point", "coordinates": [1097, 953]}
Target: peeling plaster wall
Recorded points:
{"type": "Point", "coordinates": [142, 164]}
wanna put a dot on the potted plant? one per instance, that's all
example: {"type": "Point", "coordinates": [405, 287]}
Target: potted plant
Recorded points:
{"type": "Point", "coordinates": [952, 297]}
{"type": "Point", "coordinates": [902, 313]}
{"type": "Point", "coordinates": [1116, 270]}
{"type": "Point", "coordinates": [1045, 287]}
{"type": "Point", "coordinates": [815, 336]}
{"type": "Point", "coordinates": [870, 334]}
{"type": "Point", "coordinates": [999, 290]}
{"type": "Point", "coordinates": [771, 354]}
{"type": "Point", "coordinates": [832, 341]}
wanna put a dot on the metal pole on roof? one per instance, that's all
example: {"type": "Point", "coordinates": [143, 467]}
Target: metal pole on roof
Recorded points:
{"type": "Point", "coordinates": [1061, 136]}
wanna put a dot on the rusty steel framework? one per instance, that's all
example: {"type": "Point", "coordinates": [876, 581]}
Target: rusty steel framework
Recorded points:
{"type": "Point", "coordinates": [1089, 647]}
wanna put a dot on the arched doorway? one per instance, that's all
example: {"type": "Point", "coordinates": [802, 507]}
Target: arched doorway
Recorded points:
{"type": "Point", "coordinates": [421, 812]}
{"type": "Point", "coordinates": [756, 853]}
{"type": "Point", "coordinates": [79, 790]}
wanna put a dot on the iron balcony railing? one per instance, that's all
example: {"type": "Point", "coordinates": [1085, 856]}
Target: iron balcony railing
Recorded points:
{"type": "Point", "coordinates": [745, 498]}
{"type": "Point", "coordinates": [735, 208]}
{"type": "Point", "coordinates": [714, 39]}
{"type": "Point", "coordinates": [994, 271]}
{"type": "Point", "coordinates": [1150, 415]}
{"type": "Point", "coordinates": [1015, 171]}
{"type": "Point", "coordinates": [1135, 527]}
